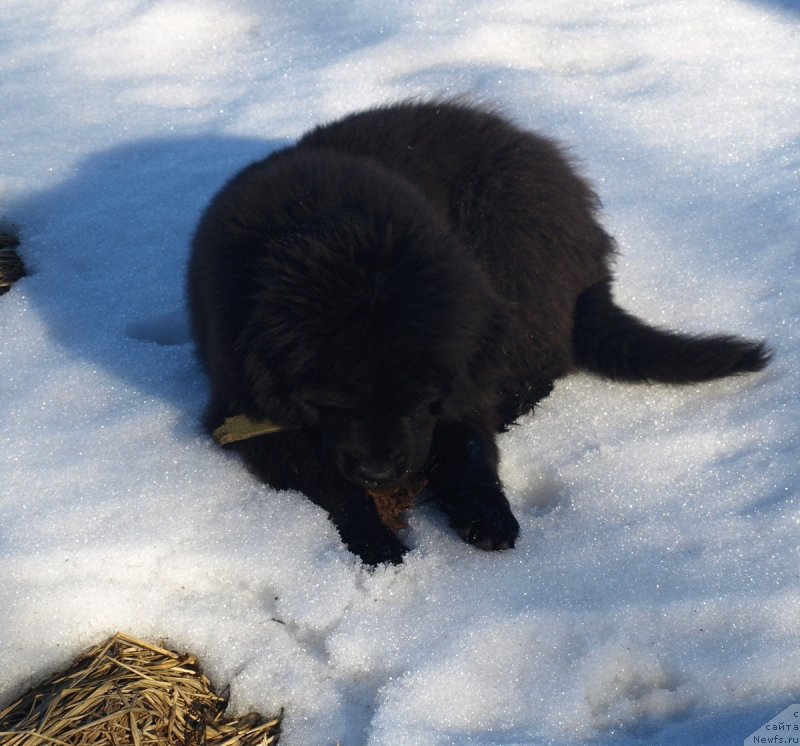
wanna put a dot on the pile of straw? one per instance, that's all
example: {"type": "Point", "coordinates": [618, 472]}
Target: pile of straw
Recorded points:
{"type": "Point", "coordinates": [126, 691]}
{"type": "Point", "coordinates": [11, 267]}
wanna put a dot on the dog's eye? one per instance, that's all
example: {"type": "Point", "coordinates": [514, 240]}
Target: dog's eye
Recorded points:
{"type": "Point", "coordinates": [331, 406]}
{"type": "Point", "coordinates": [436, 407]}
{"type": "Point", "coordinates": [308, 407]}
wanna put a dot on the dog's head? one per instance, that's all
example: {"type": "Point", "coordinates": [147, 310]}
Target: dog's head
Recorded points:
{"type": "Point", "coordinates": [372, 444]}
{"type": "Point", "coordinates": [370, 325]}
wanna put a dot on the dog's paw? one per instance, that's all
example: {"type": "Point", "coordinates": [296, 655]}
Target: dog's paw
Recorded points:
{"type": "Point", "coordinates": [489, 525]}
{"type": "Point", "coordinates": [386, 549]}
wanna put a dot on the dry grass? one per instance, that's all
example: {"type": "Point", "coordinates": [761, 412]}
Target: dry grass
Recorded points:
{"type": "Point", "coordinates": [126, 691]}
{"type": "Point", "coordinates": [11, 266]}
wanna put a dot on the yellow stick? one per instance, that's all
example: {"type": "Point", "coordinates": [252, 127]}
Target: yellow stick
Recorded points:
{"type": "Point", "coordinates": [242, 427]}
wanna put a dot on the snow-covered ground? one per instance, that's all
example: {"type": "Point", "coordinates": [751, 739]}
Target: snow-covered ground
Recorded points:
{"type": "Point", "coordinates": [654, 597]}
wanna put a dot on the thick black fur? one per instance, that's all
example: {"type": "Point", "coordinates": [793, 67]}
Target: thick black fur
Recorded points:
{"type": "Point", "coordinates": [397, 288]}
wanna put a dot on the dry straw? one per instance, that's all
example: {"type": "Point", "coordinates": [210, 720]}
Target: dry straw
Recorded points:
{"type": "Point", "coordinates": [11, 267]}
{"type": "Point", "coordinates": [128, 692]}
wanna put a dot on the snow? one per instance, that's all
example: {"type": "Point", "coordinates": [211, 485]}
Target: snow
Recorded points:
{"type": "Point", "coordinates": [654, 596]}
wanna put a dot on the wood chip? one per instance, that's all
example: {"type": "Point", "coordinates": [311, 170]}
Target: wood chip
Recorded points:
{"type": "Point", "coordinates": [242, 427]}
{"type": "Point", "coordinates": [393, 502]}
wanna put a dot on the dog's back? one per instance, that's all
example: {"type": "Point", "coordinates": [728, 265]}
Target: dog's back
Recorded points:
{"type": "Point", "coordinates": [517, 203]}
{"type": "Point", "coordinates": [512, 198]}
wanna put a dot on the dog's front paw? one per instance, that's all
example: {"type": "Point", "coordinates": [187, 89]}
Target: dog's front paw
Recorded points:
{"type": "Point", "coordinates": [377, 550]}
{"type": "Point", "coordinates": [488, 523]}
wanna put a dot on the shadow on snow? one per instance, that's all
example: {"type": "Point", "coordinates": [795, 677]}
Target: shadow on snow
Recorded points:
{"type": "Point", "coordinates": [107, 250]}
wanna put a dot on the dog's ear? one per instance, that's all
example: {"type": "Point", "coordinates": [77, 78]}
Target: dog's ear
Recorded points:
{"type": "Point", "coordinates": [264, 392]}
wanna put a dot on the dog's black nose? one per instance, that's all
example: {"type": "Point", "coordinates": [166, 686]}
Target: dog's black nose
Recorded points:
{"type": "Point", "coordinates": [380, 472]}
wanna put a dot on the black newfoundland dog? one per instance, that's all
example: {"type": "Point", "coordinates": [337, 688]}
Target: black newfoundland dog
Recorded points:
{"type": "Point", "coordinates": [394, 290]}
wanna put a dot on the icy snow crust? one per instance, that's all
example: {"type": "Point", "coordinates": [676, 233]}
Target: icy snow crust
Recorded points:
{"type": "Point", "coordinates": [654, 596]}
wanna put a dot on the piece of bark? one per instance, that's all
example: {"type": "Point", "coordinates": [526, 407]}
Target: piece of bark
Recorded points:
{"type": "Point", "coordinates": [391, 503]}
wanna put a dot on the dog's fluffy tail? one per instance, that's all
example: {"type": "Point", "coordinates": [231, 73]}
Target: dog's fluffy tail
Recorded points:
{"type": "Point", "coordinates": [613, 343]}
